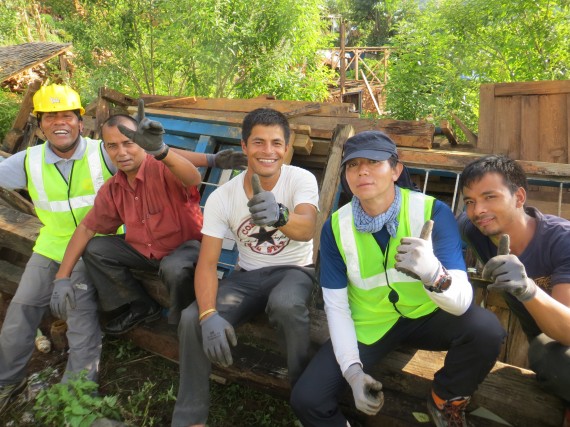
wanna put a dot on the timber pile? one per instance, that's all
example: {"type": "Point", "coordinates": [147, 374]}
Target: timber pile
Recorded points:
{"type": "Point", "coordinates": [319, 132]}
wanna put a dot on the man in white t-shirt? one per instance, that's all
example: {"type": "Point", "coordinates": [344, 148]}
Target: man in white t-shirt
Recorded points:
{"type": "Point", "coordinates": [271, 210]}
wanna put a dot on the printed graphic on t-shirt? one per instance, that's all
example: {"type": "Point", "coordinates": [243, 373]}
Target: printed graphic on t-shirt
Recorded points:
{"type": "Point", "coordinates": [545, 283]}
{"type": "Point", "coordinates": [265, 240]}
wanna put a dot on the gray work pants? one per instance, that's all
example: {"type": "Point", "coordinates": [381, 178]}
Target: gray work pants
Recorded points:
{"type": "Point", "coordinates": [110, 261]}
{"type": "Point", "coordinates": [25, 313]}
{"type": "Point", "coordinates": [551, 362]}
{"type": "Point", "coordinates": [283, 292]}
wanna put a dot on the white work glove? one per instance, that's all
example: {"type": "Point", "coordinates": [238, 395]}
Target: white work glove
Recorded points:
{"type": "Point", "coordinates": [508, 274]}
{"type": "Point", "coordinates": [415, 256]}
{"type": "Point", "coordinates": [62, 294]}
{"type": "Point", "coordinates": [367, 392]}
{"type": "Point", "coordinates": [216, 331]}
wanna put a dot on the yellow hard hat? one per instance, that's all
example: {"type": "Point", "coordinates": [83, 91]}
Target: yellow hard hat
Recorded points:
{"type": "Point", "coordinates": [56, 97]}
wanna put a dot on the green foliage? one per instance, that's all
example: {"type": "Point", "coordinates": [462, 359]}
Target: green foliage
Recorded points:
{"type": "Point", "coordinates": [442, 55]}
{"type": "Point", "coordinates": [74, 404]}
{"type": "Point", "coordinates": [9, 106]}
{"type": "Point", "coordinates": [218, 48]}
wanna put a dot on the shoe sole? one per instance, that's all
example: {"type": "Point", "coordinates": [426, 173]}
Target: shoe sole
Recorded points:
{"type": "Point", "coordinates": [153, 317]}
{"type": "Point", "coordinates": [19, 388]}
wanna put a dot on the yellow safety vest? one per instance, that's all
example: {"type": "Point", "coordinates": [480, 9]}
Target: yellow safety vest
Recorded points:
{"type": "Point", "coordinates": [61, 205]}
{"type": "Point", "coordinates": [371, 274]}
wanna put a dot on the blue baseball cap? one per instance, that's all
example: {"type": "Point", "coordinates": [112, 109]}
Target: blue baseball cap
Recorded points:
{"type": "Point", "coordinates": [370, 144]}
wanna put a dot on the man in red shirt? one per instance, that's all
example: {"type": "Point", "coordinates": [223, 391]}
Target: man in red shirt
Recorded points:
{"type": "Point", "coordinates": [154, 195]}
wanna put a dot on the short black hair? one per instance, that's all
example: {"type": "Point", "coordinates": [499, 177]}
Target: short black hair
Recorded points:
{"type": "Point", "coordinates": [264, 117]}
{"type": "Point", "coordinates": [118, 119]}
{"type": "Point", "coordinates": [513, 174]}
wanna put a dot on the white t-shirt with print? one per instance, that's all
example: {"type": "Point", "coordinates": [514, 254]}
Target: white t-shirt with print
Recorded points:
{"type": "Point", "coordinates": [226, 210]}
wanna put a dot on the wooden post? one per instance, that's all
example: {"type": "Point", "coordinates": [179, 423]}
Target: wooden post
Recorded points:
{"type": "Point", "coordinates": [356, 60]}
{"type": "Point", "coordinates": [10, 143]}
{"type": "Point", "coordinates": [331, 179]}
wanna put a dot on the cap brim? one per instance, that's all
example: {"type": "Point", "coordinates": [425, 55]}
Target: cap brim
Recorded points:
{"type": "Point", "coordinates": [368, 154]}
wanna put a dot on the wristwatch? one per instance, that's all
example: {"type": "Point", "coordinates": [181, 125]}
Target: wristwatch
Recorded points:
{"type": "Point", "coordinates": [442, 283]}
{"type": "Point", "coordinates": [283, 216]}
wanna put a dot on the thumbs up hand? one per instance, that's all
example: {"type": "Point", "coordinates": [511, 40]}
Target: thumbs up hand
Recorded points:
{"type": "Point", "coordinates": [508, 273]}
{"type": "Point", "coordinates": [415, 256]}
{"type": "Point", "coordinates": [263, 207]}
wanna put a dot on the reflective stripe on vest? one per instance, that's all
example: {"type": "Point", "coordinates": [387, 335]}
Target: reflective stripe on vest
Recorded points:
{"type": "Point", "coordinates": [61, 205]}
{"type": "Point", "coordinates": [372, 277]}
{"type": "Point", "coordinates": [346, 224]}
{"type": "Point", "coordinates": [36, 157]}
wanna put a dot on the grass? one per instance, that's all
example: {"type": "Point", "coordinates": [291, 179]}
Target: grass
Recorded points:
{"type": "Point", "coordinates": [146, 387]}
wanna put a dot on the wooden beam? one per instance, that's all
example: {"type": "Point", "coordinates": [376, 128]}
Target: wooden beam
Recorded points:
{"type": "Point", "coordinates": [551, 87]}
{"type": "Point", "coordinates": [330, 181]}
{"type": "Point", "coordinates": [116, 97]}
{"type": "Point", "coordinates": [303, 144]}
{"type": "Point", "coordinates": [470, 135]}
{"type": "Point", "coordinates": [15, 135]}
{"type": "Point", "coordinates": [18, 231]}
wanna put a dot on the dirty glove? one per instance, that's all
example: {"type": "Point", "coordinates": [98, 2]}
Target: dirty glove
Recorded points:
{"type": "Point", "coordinates": [62, 294]}
{"type": "Point", "coordinates": [216, 331]}
{"type": "Point", "coordinates": [227, 159]}
{"type": "Point", "coordinates": [367, 392]}
{"type": "Point", "coordinates": [415, 256]}
{"type": "Point", "coordinates": [148, 134]}
{"type": "Point", "coordinates": [263, 207]}
{"type": "Point", "coordinates": [508, 274]}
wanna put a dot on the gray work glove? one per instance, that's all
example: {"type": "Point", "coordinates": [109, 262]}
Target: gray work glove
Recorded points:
{"type": "Point", "coordinates": [148, 134]}
{"type": "Point", "coordinates": [415, 256]}
{"type": "Point", "coordinates": [227, 159]}
{"type": "Point", "coordinates": [216, 331]}
{"type": "Point", "coordinates": [367, 392]}
{"type": "Point", "coordinates": [508, 274]}
{"type": "Point", "coordinates": [263, 207]}
{"type": "Point", "coordinates": [62, 294]}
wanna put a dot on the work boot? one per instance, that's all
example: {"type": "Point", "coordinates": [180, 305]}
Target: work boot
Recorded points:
{"type": "Point", "coordinates": [7, 392]}
{"type": "Point", "coordinates": [447, 413]}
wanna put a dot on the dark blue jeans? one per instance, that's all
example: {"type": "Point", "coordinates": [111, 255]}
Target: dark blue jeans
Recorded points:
{"type": "Point", "coordinates": [283, 292]}
{"type": "Point", "coordinates": [110, 259]}
{"type": "Point", "coordinates": [473, 341]}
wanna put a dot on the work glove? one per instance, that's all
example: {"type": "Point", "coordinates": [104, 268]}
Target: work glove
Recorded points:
{"type": "Point", "coordinates": [216, 331]}
{"type": "Point", "coordinates": [263, 207]}
{"type": "Point", "coordinates": [227, 159]}
{"type": "Point", "coordinates": [508, 274]}
{"type": "Point", "coordinates": [367, 392]}
{"type": "Point", "coordinates": [415, 256]}
{"type": "Point", "coordinates": [148, 134]}
{"type": "Point", "coordinates": [62, 294]}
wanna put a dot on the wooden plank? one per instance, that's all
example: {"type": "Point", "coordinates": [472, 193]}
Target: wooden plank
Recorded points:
{"type": "Point", "coordinates": [507, 126]}
{"type": "Point", "coordinates": [18, 231]}
{"type": "Point", "coordinates": [469, 134]}
{"type": "Point", "coordinates": [517, 344]}
{"type": "Point", "coordinates": [320, 148]}
{"type": "Point", "coordinates": [553, 129]}
{"type": "Point", "coordinates": [116, 97]}
{"type": "Point", "coordinates": [13, 137]}
{"type": "Point", "coordinates": [530, 123]}
{"type": "Point", "coordinates": [16, 201]}
{"type": "Point", "coordinates": [331, 180]}
{"type": "Point", "coordinates": [10, 275]}
{"type": "Point", "coordinates": [486, 136]}
{"type": "Point", "coordinates": [551, 87]}
{"type": "Point", "coordinates": [302, 144]}
{"type": "Point", "coordinates": [247, 105]}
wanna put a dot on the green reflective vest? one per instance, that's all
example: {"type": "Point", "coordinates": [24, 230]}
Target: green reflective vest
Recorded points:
{"type": "Point", "coordinates": [61, 205]}
{"type": "Point", "coordinates": [371, 273]}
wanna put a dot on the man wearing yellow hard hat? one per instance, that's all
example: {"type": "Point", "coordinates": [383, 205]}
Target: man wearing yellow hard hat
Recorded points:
{"type": "Point", "coordinates": [62, 177]}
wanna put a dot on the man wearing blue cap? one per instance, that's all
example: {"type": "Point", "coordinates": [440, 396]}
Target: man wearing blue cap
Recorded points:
{"type": "Point", "coordinates": [385, 283]}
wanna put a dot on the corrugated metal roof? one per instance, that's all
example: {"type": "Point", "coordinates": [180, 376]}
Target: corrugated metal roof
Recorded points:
{"type": "Point", "coordinates": [17, 58]}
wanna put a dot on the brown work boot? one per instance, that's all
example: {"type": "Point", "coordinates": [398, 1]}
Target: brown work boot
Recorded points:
{"type": "Point", "coordinates": [447, 413]}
